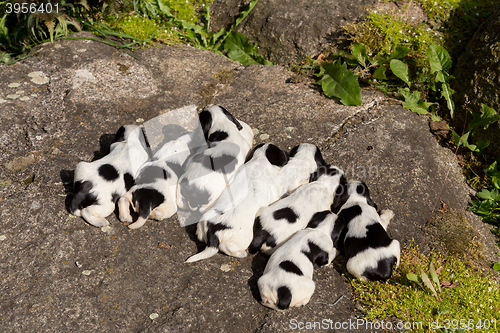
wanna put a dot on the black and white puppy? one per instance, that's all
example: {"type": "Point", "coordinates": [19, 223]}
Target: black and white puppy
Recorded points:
{"type": "Point", "coordinates": [266, 177]}
{"type": "Point", "coordinates": [99, 184]}
{"type": "Point", "coordinates": [370, 252]}
{"type": "Point", "coordinates": [274, 224]}
{"type": "Point", "coordinates": [287, 279]}
{"type": "Point", "coordinates": [154, 192]}
{"type": "Point", "coordinates": [210, 170]}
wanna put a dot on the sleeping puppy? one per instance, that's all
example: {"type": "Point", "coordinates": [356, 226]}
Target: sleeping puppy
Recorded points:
{"type": "Point", "coordinates": [369, 250]}
{"type": "Point", "coordinates": [287, 279]}
{"type": "Point", "coordinates": [99, 184]}
{"type": "Point", "coordinates": [153, 194]}
{"type": "Point", "coordinates": [210, 170]}
{"type": "Point", "coordinates": [276, 223]}
{"type": "Point", "coordinates": [266, 177]}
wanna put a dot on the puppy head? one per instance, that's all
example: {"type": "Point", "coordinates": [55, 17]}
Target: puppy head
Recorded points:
{"type": "Point", "coordinates": [273, 154]}
{"type": "Point", "coordinates": [305, 149]}
{"type": "Point", "coordinates": [216, 114]}
{"type": "Point", "coordinates": [358, 190]}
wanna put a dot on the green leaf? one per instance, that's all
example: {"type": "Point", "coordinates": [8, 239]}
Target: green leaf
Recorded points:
{"type": "Point", "coordinates": [379, 73]}
{"type": "Point", "coordinates": [484, 119]}
{"type": "Point", "coordinates": [482, 144]}
{"type": "Point", "coordinates": [399, 53]}
{"type": "Point", "coordinates": [412, 101]}
{"type": "Point", "coordinates": [412, 277]}
{"type": "Point", "coordinates": [434, 277]}
{"type": "Point", "coordinates": [447, 92]}
{"type": "Point", "coordinates": [400, 69]}
{"type": "Point", "coordinates": [240, 18]}
{"type": "Point", "coordinates": [485, 194]}
{"type": "Point", "coordinates": [428, 283]}
{"type": "Point", "coordinates": [239, 49]}
{"type": "Point", "coordinates": [439, 58]}
{"type": "Point", "coordinates": [463, 142]}
{"type": "Point", "coordinates": [496, 266]}
{"type": "Point", "coordinates": [359, 52]}
{"type": "Point", "coordinates": [338, 82]}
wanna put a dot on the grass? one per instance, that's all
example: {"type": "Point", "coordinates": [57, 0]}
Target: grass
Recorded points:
{"type": "Point", "coordinates": [475, 298]}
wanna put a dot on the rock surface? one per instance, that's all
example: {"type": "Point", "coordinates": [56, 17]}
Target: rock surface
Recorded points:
{"type": "Point", "coordinates": [478, 76]}
{"type": "Point", "coordinates": [60, 274]}
{"type": "Point", "coordinates": [304, 28]}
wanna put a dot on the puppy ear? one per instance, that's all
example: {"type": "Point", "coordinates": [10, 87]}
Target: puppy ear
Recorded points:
{"type": "Point", "coordinates": [321, 170]}
{"type": "Point", "coordinates": [120, 134]}
{"type": "Point", "coordinates": [206, 122]}
{"type": "Point", "coordinates": [341, 195]}
{"type": "Point", "coordinates": [319, 158]}
{"type": "Point", "coordinates": [362, 190]}
{"type": "Point", "coordinates": [276, 156]}
{"type": "Point", "coordinates": [251, 152]}
{"type": "Point", "coordinates": [294, 151]}
{"type": "Point", "coordinates": [232, 118]}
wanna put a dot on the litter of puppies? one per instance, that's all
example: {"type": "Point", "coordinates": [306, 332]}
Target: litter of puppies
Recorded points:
{"type": "Point", "coordinates": [292, 205]}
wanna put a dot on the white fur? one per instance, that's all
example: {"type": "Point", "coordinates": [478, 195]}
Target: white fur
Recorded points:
{"type": "Point", "coordinates": [301, 287]}
{"type": "Point", "coordinates": [257, 184]}
{"type": "Point", "coordinates": [307, 200]}
{"type": "Point", "coordinates": [201, 179]}
{"type": "Point", "coordinates": [176, 152]}
{"type": "Point", "coordinates": [125, 157]}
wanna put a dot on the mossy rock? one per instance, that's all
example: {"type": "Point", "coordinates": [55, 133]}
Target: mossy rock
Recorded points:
{"type": "Point", "coordinates": [478, 77]}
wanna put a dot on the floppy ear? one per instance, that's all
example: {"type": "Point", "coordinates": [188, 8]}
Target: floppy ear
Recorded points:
{"type": "Point", "coordinates": [294, 151]}
{"type": "Point", "coordinates": [120, 134]}
{"type": "Point", "coordinates": [320, 171]}
{"type": "Point", "coordinates": [362, 189]}
{"type": "Point", "coordinates": [276, 156]}
{"type": "Point", "coordinates": [341, 195]}
{"type": "Point", "coordinates": [206, 122]}
{"type": "Point", "coordinates": [319, 158]}
{"type": "Point", "coordinates": [232, 118]}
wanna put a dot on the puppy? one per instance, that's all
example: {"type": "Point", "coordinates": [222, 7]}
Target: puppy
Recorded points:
{"type": "Point", "coordinates": [99, 184]}
{"type": "Point", "coordinates": [153, 194]}
{"type": "Point", "coordinates": [209, 171]}
{"type": "Point", "coordinates": [276, 223]}
{"type": "Point", "coordinates": [369, 250]}
{"type": "Point", "coordinates": [266, 177]}
{"type": "Point", "coordinates": [287, 279]}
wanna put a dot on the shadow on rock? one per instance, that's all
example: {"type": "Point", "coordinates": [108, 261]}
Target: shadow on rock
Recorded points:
{"type": "Point", "coordinates": [67, 180]}
{"type": "Point", "coordinates": [259, 262]}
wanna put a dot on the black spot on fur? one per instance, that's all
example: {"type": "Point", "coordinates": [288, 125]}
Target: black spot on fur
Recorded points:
{"type": "Point", "coordinates": [223, 164]}
{"type": "Point", "coordinates": [276, 156]}
{"type": "Point", "coordinates": [120, 134]}
{"type": "Point", "coordinates": [286, 213]}
{"type": "Point", "coordinates": [290, 267]}
{"type": "Point", "coordinates": [114, 197]}
{"type": "Point", "coordinates": [284, 298]}
{"type": "Point", "coordinates": [195, 196]}
{"type": "Point", "coordinates": [232, 118]}
{"type": "Point", "coordinates": [82, 198]}
{"type": "Point", "coordinates": [218, 136]}
{"type": "Point", "coordinates": [382, 272]}
{"type": "Point", "coordinates": [147, 199]}
{"type": "Point", "coordinates": [108, 172]}
{"type": "Point", "coordinates": [376, 237]}
{"type": "Point", "coordinates": [319, 158]}
{"type": "Point", "coordinates": [212, 228]}
{"type": "Point", "coordinates": [316, 255]}
{"type": "Point", "coordinates": [150, 174]}
{"type": "Point", "coordinates": [129, 181]}
{"type": "Point", "coordinates": [317, 218]}
{"type": "Point", "coordinates": [362, 189]}
{"type": "Point", "coordinates": [260, 236]}
{"type": "Point", "coordinates": [341, 195]}
{"type": "Point", "coordinates": [250, 154]}
{"type": "Point", "coordinates": [206, 122]}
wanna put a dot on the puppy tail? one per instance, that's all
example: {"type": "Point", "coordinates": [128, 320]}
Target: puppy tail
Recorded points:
{"type": "Point", "coordinates": [207, 253]}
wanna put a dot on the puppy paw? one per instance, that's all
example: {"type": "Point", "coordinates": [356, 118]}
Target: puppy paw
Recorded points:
{"type": "Point", "coordinates": [99, 223]}
{"type": "Point", "coordinates": [389, 214]}
{"type": "Point", "coordinates": [126, 219]}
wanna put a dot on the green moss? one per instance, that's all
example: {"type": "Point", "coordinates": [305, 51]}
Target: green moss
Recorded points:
{"type": "Point", "coordinates": [142, 28]}
{"type": "Point", "coordinates": [186, 10]}
{"type": "Point", "coordinates": [474, 298]}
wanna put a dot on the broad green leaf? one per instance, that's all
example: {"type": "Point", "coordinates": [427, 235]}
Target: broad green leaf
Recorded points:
{"type": "Point", "coordinates": [464, 140]}
{"type": "Point", "coordinates": [447, 92]}
{"type": "Point", "coordinates": [482, 144]}
{"type": "Point", "coordinates": [484, 119]}
{"type": "Point", "coordinates": [239, 49]}
{"type": "Point", "coordinates": [338, 82]}
{"type": "Point", "coordinates": [434, 277]}
{"type": "Point", "coordinates": [359, 52]}
{"type": "Point", "coordinates": [399, 53]}
{"type": "Point", "coordinates": [412, 101]}
{"type": "Point", "coordinates": [440, 77]}
{"type": "Point", "coordinates": [496, 266]}
{"type": "Point", "coordinates": [412, 277]}
{"type": "Point", "coordinates": [439, 58]}
{"type": "Point", "coordinates": [400, 69]}
{"type": "Point", "coordinates": [485, 194]}
{"type": "Point", "coordinates": [379, 73]}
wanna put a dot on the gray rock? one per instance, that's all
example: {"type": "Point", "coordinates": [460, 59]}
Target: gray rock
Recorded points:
{"type": "Point", "coordinates": [288, 31]}
{"type": "Point", "coordinates": [478, 76]}
{"type": "Point", "coordinates": [133, 274]}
